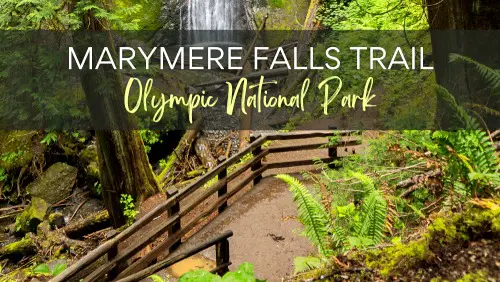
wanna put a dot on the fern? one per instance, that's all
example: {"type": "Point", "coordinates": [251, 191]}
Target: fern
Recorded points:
{"type": "Point", "coordinates": [491, 76]}
{"type": "Point", "coordinates": [372, 218]}
{"type": "Point", "coordinates": [303, 264]}
{"type": "Point", "coordinates": [311, 214]}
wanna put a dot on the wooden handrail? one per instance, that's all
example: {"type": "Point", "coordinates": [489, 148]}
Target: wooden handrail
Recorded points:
{"type": "Point", "coordinates": [257, 169]}
{"type": "Point", "coordinates": [171, 261]}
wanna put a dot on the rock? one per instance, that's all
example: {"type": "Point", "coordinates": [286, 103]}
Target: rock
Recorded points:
{"type": "Point", "coordinates": [56, 220]}
{"type": "Point", "coordinates": [55, 184]}
{"type": "Point", "coordinates": [32, 215]}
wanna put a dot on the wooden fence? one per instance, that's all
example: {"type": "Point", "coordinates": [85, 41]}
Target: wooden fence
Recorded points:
{"type": "Point", "coordinates": [116, 267]}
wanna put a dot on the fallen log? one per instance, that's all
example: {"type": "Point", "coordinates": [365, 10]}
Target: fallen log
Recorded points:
{"type": "Point", "coordinates": [413, 182]}
{"type": "Point", "coordinates": [252, 76]}
{"type": "Point", "coordinates": [87, 225]}
{"type": "Point", "coordinates": [23, 247]}
{"type": "Point", "coordinates": [184, 144]}
{"type": "Point", "coordinates": [418, 178]}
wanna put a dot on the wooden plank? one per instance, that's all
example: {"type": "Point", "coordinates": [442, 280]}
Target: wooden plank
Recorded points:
{"type": "Point", "coordinates": [107, 246]}
{"type": "Point", "coordinates": [223, 190]}
{"type": "Point", "coordinates": [295, 163]}
{"type": "Point", "coordinates": [323, 145]}
{"type": "Point", "coordinates": [172, 211]}
{"type": "Point", "coordinates": [222, 256]}
{"type": "Point", "coordinates": [171, 261]}
{"type": "Point", "coordinates": [305, 134]}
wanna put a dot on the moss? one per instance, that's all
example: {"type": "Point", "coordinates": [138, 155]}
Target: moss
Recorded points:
{"type": "Point", "coordinates": [32, 215]}
{"type": "Point", "coordinates": [479, 276]}
{"type": "Point", "coordinates": [390, 259]}
{"type": "Point", "coordinates": [18, 246]}
{"type": "Point", "coordinates": [447, 232]}
{"type": "Point", "coordinates": [15, 149]}
{"type": "Point", "coordinates": [482, 217]}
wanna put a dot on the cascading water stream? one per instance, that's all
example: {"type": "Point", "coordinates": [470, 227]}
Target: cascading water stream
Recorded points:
{"type": "Point", "coordinates": [212, 14]}
{"type": "Point", "coordinates": [213, 20]}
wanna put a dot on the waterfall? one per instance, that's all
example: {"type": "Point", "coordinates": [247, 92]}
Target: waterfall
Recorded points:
{"type": "Point", "coordinates": [214, 15]}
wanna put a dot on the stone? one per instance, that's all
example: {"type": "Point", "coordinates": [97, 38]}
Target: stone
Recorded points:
{"type": "Point", "coordinates": [56, 220]}
{"type": "Point", "coordinates": [32, 216]}
{"type": "Point", "coordinates": [55, 184]}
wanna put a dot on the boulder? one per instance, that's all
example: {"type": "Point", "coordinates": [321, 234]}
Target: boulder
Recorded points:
{"type": "Point", "coordinates": [32, 215]}
{"type": "Point", "coordinates": [55, 184]}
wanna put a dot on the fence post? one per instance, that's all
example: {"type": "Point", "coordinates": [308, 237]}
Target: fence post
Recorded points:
{"type": "Point", "coordinates": [222, 256]}
{"type": "Point", "coordinates": [223, 190]}
{"type": "Point", "coordinates": [258, 164]}
{"type": "Point", "coordinates": [112, 253]}
{"type": "Point", "coordinates": [332, 152]}
{"type": "Point", "coordinates": [174, 209]}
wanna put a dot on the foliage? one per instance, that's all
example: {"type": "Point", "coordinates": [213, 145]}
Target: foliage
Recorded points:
{"type": "Point", "coordinates": [244, 273]}
{"type": "Point", "coordinates": [344, 228]}
{"type": "Point", "coordinates": [49, 139]}
{"type": "Point", "coordinates": [373, 14]}
{"type": "Point", "coordinates": [128, 207]}
{"type": "Point", "coordinates": [311, 214]}
{"type": "Point", "coordinates": [44, 269]}
{"type": "Point", "coordinates": [150, 137]}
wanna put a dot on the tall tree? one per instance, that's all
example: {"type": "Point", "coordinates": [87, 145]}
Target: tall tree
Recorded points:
{"type": "Point", "coordinates": [123, 164]}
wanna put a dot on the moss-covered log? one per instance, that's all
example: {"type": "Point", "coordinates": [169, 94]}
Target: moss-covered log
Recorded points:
{"type": "Point", "coordinates": [23, 247]}
{"type": "Point", "coordinates": [184, 144]}
{"type": "Point", "coordinates": [87, 225]}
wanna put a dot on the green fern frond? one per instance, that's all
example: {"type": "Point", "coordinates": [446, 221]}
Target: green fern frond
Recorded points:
{"type": "Point", "coordinates": [311, 214]}
{"type": "Point", "coordinates": [491, 76]}
{"type": "Point", "coordinates": [468, 120]}
{"type": "Point", "coordinates": [483, 108]}
{"type": "Point", "coordinates": [373, 217]}
{"type": "Point", "coordinates": [303, 264]}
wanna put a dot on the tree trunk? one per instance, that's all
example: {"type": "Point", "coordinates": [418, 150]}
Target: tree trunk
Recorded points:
{"type": "Point", "coordinates": [123, 164]}
{"type": "Point", "coordinates": [448, 20]}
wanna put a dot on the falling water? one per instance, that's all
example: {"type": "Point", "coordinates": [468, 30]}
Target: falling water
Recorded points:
{"type": "Point", "coordinates": [213, 20]}
{"type": "Point", "coordinates": [213, 14]}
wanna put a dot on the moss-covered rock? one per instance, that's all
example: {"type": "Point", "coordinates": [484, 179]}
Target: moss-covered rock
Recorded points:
{"type": "Point", "coordinates": [15, 149]}
{"type": "Point", "coordinates": [55, 184]}
{"type": "Point", "coordinates": [32, 215]}
{"type": "Point", "coordinates": [56, 220]}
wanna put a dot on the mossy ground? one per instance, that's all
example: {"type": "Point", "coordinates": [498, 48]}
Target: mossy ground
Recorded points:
{"type": "Point", "coordinates": [462, 246]}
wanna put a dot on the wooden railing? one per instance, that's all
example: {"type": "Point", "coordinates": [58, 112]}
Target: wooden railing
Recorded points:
{"type": "Point", "coordinates": [116, 267]}
{"type": "Point", "coordinates": [222, 258]}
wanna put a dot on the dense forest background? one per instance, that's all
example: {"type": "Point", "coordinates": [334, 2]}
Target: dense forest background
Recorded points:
{"type": "Point", "coordinates": [416, 205]}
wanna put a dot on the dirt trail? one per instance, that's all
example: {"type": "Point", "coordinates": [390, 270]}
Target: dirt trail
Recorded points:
{"type": "Point", "coordinates": [263, 220]}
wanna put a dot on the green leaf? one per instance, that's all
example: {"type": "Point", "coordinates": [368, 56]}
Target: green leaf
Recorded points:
{"type": "Point", "coordinates": [58, 268]}
{"type": "Point", "coordinates": [42, 269]}
{"type": "Point", "coordinates": [199, 276]}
